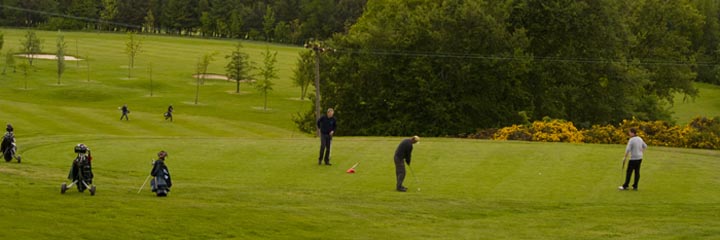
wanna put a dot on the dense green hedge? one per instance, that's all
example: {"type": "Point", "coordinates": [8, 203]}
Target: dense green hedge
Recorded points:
{"type": "Point", "coordinates": [701, 132]}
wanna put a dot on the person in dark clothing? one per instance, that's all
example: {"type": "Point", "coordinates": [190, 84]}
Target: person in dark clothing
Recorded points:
{"type": "Point", "coordinates": [7, 147]}
{"type": "Point", "coordinates": [125, 112]}
{"type": "Point", "coordinates": [327, 126]}
{"type": "Point", "coordinates": [161, 181]}
{"type": "Point", "coordinates": [168, 114]}
{"type": "Point", "coordinates": [403, 154]}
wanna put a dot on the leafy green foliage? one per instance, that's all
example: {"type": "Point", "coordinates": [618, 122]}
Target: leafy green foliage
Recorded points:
{"type": "Point", "coordinates": [268, 73]}
{"type": "Point", "coordinates": [489, 64]}
{"type": "Point", "coordinates": [238, 68]}
{"type": "Point", "coordinates": [31, 45]}
{"type": "Point", "coordinates": [303, 74]}
{"type": "Point", "coordinates": [133, 47]}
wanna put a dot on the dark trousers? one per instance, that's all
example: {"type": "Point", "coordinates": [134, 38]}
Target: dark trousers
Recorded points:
{"type": "Point", "coordinates": [325, 140]}
{"type": "Point", "coordinates": [633, 165]}
{"type": "Point", "coordinates": [124, 116]}
{"type": "Point", "coordinates": [399, 172]}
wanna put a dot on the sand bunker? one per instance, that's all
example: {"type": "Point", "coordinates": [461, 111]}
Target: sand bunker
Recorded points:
{"type": "Point", "coordinates": [48, 57]}
{"type": "Point", "coordinates": [218, 77]}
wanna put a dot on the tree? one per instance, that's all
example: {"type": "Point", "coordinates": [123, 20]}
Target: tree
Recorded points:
{"type": "Point", "coordinates": [31, 45]}
{"type": "Point", "coordinates": [236, 24]}
{"type": "Point", "coordinates": [149, 25]}
{"type": "Point", "coordinates": [25, 68]}
{"type": "Point", "coordinates": [239, 67]}
{"type": "Point", "coordinates": [268, 23]}
{"type": "Point", "coordinates": [2, 40]}
{"type": "Point", "coordinates": [428, 84]}
{"type": "Point", "coordinates": [707, 43]}
{"type": "Point", "coordinates": [303, 74]}
{"type": "Point", "coordinates": [133, 47]}
{"type": "Point", "coordinates": [201, 70]}
{"type": "Point", "coordinates": [82, 8]}
{"type": "Point", "coordinates": [9, 61]}
{"type": "Point", "coordinates": [268, 72]}
{"type": "Point", "coordinates": [109, 13]}
{"type": "Point", "coordinates": [282, 32]}
{"type": "Point", "coordinates": [150, 76]}
{"type": "Point", "coordinates": [60, 55]}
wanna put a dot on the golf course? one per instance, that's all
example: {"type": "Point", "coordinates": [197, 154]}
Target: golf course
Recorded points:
{"type": "Point", "coordinates": [244, 172]}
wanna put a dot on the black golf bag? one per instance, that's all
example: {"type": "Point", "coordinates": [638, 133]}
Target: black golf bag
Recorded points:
{"type": "Point", "coordinates": [81, 173]}
{"type": "Point", "coordinates": [7, 147]}
{"type": "Point", "coordinates": [161, 181]}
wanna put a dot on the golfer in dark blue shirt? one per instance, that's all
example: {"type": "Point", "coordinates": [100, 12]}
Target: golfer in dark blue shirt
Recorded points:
{"type": "Point", "coordinates": [327, 125]}
{"type": "Point", "coordinates": [403, 154]}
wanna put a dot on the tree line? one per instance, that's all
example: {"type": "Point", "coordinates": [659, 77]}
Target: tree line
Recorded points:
{"type": "Point", "coordinates": [454, 66]}
{"type": "Point", "coordinates": [285, 21]}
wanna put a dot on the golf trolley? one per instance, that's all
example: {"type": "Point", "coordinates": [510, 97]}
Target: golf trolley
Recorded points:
{"type": "Point", "coordinates": [82, 177]}
{"type": "Point", "coordinates": [80, 173]}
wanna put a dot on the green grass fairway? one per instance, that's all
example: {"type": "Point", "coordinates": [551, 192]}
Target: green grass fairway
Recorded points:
{"type": "Point", "coordinates": [707, 104]}
{"type": "Point", "coordinates": [243, 173]}
{"type": "Point", "coordinates": [271, 188]}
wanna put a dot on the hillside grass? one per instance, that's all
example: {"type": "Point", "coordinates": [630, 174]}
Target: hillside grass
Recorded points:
{"type": "Point", "coordinates": [706, 104]}
{"type": "Point", "coordinates": [243, 173]}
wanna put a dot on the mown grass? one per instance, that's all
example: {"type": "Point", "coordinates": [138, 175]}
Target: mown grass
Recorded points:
{"type": "Point", "coordinates": [241, 173]}
{"type": "Point", "coordinates": [706, 104]}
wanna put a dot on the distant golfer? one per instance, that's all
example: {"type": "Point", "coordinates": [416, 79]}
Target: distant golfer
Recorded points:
{"type": "Point", "coordinates": [125, 112]}
{"type": "Point", "coordinates": [327, 125]}
{"type": "Point", "coordinates": [635, 148]}
{"type": "Point", "coordinates": [168, 114]}
{"type": "Point", "coordinates": [403, 153]}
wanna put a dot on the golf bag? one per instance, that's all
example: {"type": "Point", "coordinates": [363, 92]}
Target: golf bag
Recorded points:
{"type": "Point", "coordinates": [8, 147]}
{"type": "Point", "coordinates": [161, 181]}
{"type": "Point", "coordinates": [81, 171]}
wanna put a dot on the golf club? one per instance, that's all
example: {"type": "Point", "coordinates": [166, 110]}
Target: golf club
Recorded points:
{"type": "Point", "coordinates": [146, 180]}
{"type": "Point", "coordinates": [415, 177]}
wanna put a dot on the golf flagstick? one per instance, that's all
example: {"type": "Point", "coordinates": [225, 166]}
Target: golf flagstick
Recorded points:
{"type": "Point", "coordinates": [146, 180]}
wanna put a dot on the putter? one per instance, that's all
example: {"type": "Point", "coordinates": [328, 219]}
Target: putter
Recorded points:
{"type": "Point", "coordinates": [414, 177]}
{"type": "Point", "coordinates": [146, 180]}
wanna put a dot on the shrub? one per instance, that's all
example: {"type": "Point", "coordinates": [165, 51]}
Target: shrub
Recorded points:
{"type": "Point", "coordinates": [701, 132]}
{"type": "Point", "coordinates": [555, 130]}
{"type": "Point", "coordinates": [514, 132]}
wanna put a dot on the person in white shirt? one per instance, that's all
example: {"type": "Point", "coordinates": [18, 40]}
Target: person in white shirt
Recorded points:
{"type": "Point", "coordinates": [635, 149]}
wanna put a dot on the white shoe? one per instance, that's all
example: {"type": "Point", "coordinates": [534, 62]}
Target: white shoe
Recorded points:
{"type": "Point", "coordinates": [622, 188]}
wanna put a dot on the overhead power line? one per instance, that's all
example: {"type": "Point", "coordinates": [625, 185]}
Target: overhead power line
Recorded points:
{"type": "Point", "coordinates": [71, 17]}
{"type": "Point", "coordinates": [425, 54]}
{"type": "Point", "coordinates": [514, 58]}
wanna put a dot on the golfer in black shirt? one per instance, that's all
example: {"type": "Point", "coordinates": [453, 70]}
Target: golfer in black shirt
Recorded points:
{"type": "Point", "coordinates": [403, 153]}
{"type": "Point", "coordinates": [327, 125]}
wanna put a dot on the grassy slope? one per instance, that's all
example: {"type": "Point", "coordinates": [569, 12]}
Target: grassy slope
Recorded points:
{"type": "Point", "coordinates": [243, 173]}
{"type": "Point", "coordinates": [706, 104]}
